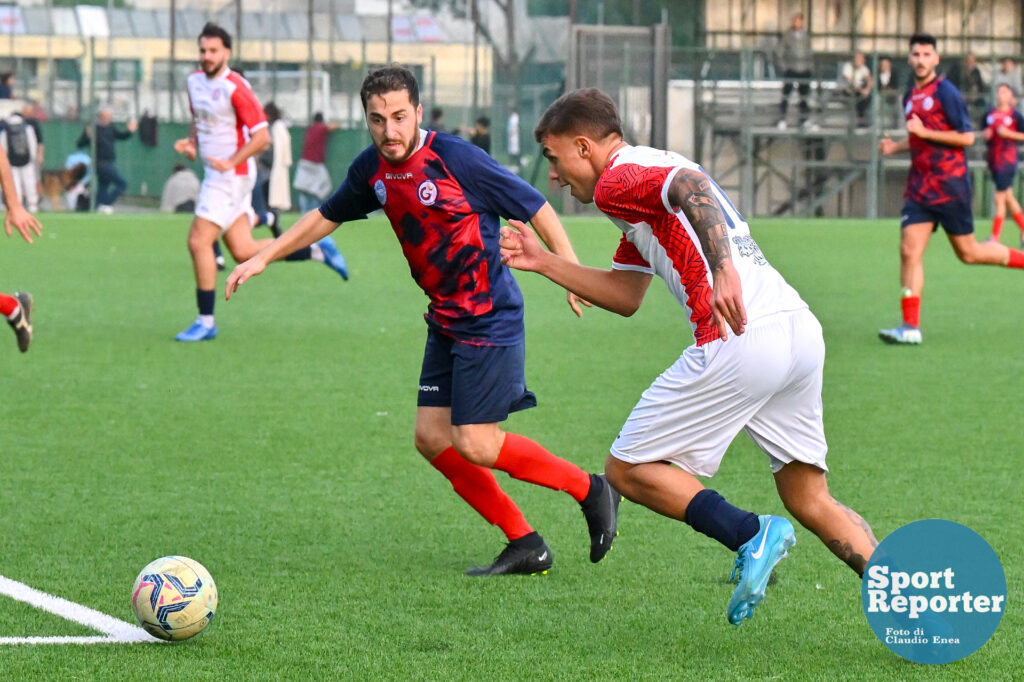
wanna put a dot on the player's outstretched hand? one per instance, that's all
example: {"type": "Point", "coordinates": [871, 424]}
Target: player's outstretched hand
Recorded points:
{"type": "Point", "coordinates": [24, 221]}
{"type": "Point", "coordinates": [575, 302]}
{"type": "Point", "coordinates": [727, 301]}
{"type": "Point", "coordinates": [520, 248]}
{"type": "Point", "coordinates": [241, 273]}
{"type": "Point", "coordinates": [886, 146]}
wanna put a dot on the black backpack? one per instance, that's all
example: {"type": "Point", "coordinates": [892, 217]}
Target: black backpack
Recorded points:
{"type": "Point", "coordinates": [17, 143]}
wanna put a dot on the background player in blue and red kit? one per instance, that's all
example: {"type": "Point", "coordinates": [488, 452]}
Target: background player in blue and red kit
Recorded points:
{"type": "Point", "coordinates": [938, 187]}
{"type": "Point", "coordinates": [443, 197]}
{"type": "Point", "coordinates": [1003, 131]}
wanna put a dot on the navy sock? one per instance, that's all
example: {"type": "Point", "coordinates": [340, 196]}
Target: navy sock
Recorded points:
{"type": "Point", "coordinates": [216, 250]}
{"type": "Point", "coordinates": [205, 299]}
{"type": "Point", "coordinates": [305, 253]}
{"type": "Point", "coordinates": [709, 513]}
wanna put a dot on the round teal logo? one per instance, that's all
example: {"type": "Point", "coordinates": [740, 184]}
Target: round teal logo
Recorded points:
{"type": "Point", "coordinates": [934, 591]}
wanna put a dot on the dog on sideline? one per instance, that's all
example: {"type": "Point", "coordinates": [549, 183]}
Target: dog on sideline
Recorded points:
{"type": "Point", "coordinates": [56, 181]}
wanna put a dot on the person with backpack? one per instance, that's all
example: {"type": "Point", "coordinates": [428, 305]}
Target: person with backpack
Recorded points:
{"type": "Point", "coordinates": [19, 141]}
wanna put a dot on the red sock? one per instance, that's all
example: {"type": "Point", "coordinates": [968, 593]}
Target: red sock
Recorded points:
{"type": "Point", "coordinates": [528, 461]}
{"type": "Point", "coordinates": [1016, 259]}
{"type": "Point", "coordinates": [8, 304]}
{"type": "Point", "coordinates": [1019, 219]}
{"type": "Point", "coordinates": [997, 226]}
{"type": "Point", "coordinates": [911, 310]}
{"type": "Point", "coordinates": [478, 487]}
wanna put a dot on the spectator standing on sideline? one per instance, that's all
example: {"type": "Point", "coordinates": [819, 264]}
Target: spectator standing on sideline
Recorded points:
{"type": "Point", "coordinates": [5, 85]}
{"type": "Point", "coordinates": [1008, 75]}
{"type": "Point", "coordinates": [437, 121]}
{"type": "Point", "coordinates": [857, 83]}
{"type": "Point", "coordinates": [31, 112]}
{"type": "Point", "coordinates": [109, 180]}
{"type": "Point", "coordinates": [512, 135]}
{"type": "Point", "coordinates": [19, 140]}
{"type": "Point", "coordinates": [481, 134]}
{"type": "Point", "coordinates": [279, 188]}
{"type": "Point", "coordinates": [794, 58]}
{"type": "Point", "coordinates": [885, 87]}
{"type": "Point", "coordinates": [974, 88]}
{"type": "Point", "coordinates": [312, 180]}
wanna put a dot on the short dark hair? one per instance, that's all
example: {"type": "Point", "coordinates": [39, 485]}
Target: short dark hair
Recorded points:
{"type": "Point", "coordinates": [436, 113]}
{"type": "Point", "coordinates": [922, 38]}
{"type": "Point", "coordinates": [318, 117]}
{"type": "Point", "coordinates": [587, 111]}
{"type": "Point", "coordinates": [483, 121]}
{"type": "Point", "coordinates": [272, 112]}
{"type": "Point", "coordinates": [212, 30]}
{"type": "Point", "coordinates": [390, 79]}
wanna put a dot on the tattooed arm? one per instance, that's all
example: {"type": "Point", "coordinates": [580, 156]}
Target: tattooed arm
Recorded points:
{"type": "Point", "coordinates": [690, 190]}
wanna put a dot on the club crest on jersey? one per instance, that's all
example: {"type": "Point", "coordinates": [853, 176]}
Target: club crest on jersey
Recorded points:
{"type": "Point", "coordinates": [427, 192]}
{"type": "Point", "coordinates": [382, 194]}
{"type": "Point", "coordinates": [928, 103]}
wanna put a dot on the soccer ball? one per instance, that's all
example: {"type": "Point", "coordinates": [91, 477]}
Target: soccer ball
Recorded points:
{"type": "Point", "coordinates": [174, 598]}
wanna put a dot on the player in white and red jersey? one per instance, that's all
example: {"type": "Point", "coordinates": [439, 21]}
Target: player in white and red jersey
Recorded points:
{"type": "Point", "coordinates": [229, 127]}
{"type": "Point", "coordinates": [766, 379]}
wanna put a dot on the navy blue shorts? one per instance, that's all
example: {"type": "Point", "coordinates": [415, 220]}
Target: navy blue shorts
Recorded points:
{"type": "Point", "coordinates": [955, 216]}
{"type": "Point", "coordinates": [482, 384]}
{"type": "Point", "coordinates": [1003, 178]}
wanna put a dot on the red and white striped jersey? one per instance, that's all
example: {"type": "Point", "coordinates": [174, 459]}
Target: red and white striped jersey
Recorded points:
{"type": "Point", "coordinates": [659, 239]}
{"type": "Point", "coordinates": [226, 113]}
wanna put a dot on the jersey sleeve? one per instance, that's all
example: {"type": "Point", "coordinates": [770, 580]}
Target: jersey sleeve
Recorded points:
{"type": "Point", "coordinates": [954, 106]}
{"type": "Point", "coordinates": [627, 257]}
{"type": "Point", "coordinates": [354, 200]}
{"type": "Point", "coordinates": [490, 187]}
{"type": "Point", "coordinates": [632, 192]}
{"type": "Point", "coordinates": [247, 107]}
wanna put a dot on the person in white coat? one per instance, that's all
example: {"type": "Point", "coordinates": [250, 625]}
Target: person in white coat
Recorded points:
{"type": "Point", "coordinates": [279, 190]}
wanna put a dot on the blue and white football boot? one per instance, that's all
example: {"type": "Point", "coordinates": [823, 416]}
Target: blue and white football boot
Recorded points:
{"type": "Point", "coordinates": [198, 332]}
{"type": "Point", "coordinates": [754, 563]}
{"type": "Point", "coordinates": [333, 258]}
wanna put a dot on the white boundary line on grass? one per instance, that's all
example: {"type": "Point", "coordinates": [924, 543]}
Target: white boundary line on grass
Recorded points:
{"type": "Point", "coordinates": [116, 631]}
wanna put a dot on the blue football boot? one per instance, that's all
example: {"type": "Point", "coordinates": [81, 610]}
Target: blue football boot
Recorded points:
{"type": "Point", "coordinates": [333, 258]}
{"type": "Point", "coordinates": [754, 563]}
{"type": "Point", "coordinates": [198, 332]}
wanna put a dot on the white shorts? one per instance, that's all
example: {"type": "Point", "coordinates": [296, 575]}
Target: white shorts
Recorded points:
{"type": "Point", "coordinates": [223, 198]}
{"type": "Point", "coordinates": [767, 382]}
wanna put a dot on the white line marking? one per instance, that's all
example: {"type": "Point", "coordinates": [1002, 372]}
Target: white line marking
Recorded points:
{"type": "Point", "coordinates": [117, 631]}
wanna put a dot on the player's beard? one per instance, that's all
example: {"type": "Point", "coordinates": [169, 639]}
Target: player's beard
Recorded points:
{"type": "Point", "coordinates": [211, 72]}
{"type": "Point", "coordinates": [406, 152]}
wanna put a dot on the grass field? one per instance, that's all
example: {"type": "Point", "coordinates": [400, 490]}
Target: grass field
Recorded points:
{"type": "Point", "coordinates": [280, 456]}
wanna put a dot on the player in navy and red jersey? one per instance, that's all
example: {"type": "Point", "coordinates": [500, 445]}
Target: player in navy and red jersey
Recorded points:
{"type": "Point", "coordinates": [443, 197]}
{"type": "Point", "coordinates": [938, 187]}
{"type": "Point", "coordinates": [764, 379]}
{"type": "Point", "coordinates": [1003, 131]}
